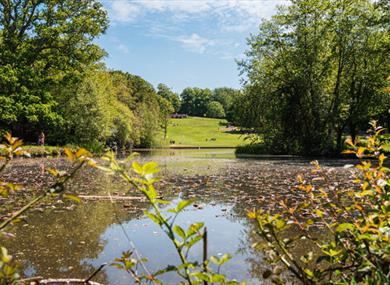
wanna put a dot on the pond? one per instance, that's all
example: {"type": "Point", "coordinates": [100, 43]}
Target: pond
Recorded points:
{"type": "Point", "coordinates": [65, 240]}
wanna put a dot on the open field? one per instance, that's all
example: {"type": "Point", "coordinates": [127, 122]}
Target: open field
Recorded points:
{"type": "Point", "coordinates": [202, 132]}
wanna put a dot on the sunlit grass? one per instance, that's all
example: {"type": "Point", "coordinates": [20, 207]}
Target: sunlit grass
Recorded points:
{"type": "Point", "coordinates": [202, 132]}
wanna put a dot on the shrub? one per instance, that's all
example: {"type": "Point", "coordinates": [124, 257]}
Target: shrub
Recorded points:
{"type": "Point", "coordinates": [356, 220]}
{"type": "Point", "coordinates": [215, 110]}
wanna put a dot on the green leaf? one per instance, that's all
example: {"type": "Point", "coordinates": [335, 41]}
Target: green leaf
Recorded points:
{"type": "Point", "coordinates": [217, 278]}
{"type": "Point", "coordinates": [193, 241]}
{"type": "Point", "coordinates": [183, 204]}
{"type": "Point", "coordinates": [73, 198]}
{"type": "Point", "coordinates": [309, 272]}
{"type": "Point", "coordinates": [214, 260]}
{"type": "Point", "coordinates": [280, 224]}
{"type": "Point", "coordinates": [150, 168]}
{"type": "Point", "coordinates": [179, 231]}
{"type": "Point", "coordinates": [194, 228]}
{"type": "Point", "coordinates": [345, 226]}
{"type": "Point", "coordinates": [152, 194]}
{"type": "Point", "coordinates": [225, 258]}
{"type": "Point", "coordinates": [137, 167]}
{"type": "Point", "coordinates": [153, 217]}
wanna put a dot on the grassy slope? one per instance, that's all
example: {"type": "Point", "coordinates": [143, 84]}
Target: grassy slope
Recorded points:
{"type": "Point", "coordinates": [195, 131]}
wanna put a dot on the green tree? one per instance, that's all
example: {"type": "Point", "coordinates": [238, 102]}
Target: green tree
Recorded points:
{"type": "Point", "coordinates": [226, 97]}
{"type": "Point", "coordinates": [166, 110]}
{"type": "Point", "coordinates": [141, 98]}
{"type": "Point", "coordinates": [43, 44]}
{"type": "Point", "coordinates": [314, 71]}
{"type": "Point", "coordinates": [166, 93]}
{"type": "Point", "coordinates": [194, 101]}
{"type": "Point", "coordinates": [95, 116]}
{"type": "Point", "coordinates": [215, 110]}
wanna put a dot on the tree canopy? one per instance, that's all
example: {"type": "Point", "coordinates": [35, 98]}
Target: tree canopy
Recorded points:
{"type": "Point", "coordinates": [42, 44]}
{"type": "Point", "coordinates": [166, 93]}
{"type": "Point", "coordinates": [315, 71]}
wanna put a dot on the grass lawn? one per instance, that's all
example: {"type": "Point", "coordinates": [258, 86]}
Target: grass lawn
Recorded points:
{"type": "Point", "coordinates": [35, 150]}
{"type": "Point", "coordinates": [201, 132]}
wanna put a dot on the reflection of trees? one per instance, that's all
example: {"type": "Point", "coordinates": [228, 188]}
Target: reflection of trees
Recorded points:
{"type": "Point", "coordinates": [54, 243]}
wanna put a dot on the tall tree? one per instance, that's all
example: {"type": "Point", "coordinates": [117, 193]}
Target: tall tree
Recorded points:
{"type": "Point", "coordinates": [194, 101]}
{"type": "Point", "coordinates": [43, 43]}
{"type": "Point", "coordinates": [226, 97]}
{"type": "Point", "coordinates": [166, 109]}
{"type": "Point", "coordinates": [315, 71]}
{"type": "Point", "coordinates": [166, 93]}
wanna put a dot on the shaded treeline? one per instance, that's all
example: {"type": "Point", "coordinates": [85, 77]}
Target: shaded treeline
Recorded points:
{"type": "Point", "coordinates": [316, 71]}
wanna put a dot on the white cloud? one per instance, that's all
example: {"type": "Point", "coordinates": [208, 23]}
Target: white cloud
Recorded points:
{"type": "Point", "coordinates": [122, 48]}
{"type": "Point", "coordinates": [167, 16]}
{"type": "Point", "coordinates": [127, 10]}
{"type": "Point", "coordinates": [195, 43]}
{"type": "Point", "coordinates": [124, 11]}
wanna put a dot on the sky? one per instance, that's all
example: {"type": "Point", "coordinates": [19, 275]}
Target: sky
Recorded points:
{"type": "Point", "coordinates": [182, 43]}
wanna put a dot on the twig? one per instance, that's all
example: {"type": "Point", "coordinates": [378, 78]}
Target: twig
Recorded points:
{"type": "Point", "coordinates": [95, 272]}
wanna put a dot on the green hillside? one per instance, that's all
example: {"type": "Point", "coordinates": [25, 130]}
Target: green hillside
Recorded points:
{"type": "Point", "coordinates": [202, 132]}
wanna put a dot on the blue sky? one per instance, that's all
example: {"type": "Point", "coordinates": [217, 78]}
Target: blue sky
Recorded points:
{"type": "Point", "coordinates": [182, 43]}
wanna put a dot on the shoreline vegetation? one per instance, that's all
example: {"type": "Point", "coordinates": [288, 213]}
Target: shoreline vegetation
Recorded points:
{"type": "Point", "coordinates": [199, 133]}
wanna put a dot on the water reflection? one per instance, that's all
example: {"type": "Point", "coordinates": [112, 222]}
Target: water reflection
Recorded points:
{"type": "Point", "coordinates": [67, 241]}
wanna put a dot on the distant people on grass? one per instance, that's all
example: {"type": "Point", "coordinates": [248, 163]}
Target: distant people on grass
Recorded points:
{"type": "Point", "coordinates": [41, 139]}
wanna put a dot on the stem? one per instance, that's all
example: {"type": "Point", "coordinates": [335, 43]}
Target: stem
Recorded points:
{"type": "Point", "coordinates": [264, 235]}
{"type": "Point", "coordinates": [22, 210]}
{"type": "Point", "coordinates": [170, 232]}
{"type": "Point", "coordinates": [7, 160]}
{"type": "Point", "coordinates": [171, 236]}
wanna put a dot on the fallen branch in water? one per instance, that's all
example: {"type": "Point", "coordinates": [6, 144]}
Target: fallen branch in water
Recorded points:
{"type": "Point", "coordinates": [121, 198]}
{"type": "Point", "coordinates": [67, 281]}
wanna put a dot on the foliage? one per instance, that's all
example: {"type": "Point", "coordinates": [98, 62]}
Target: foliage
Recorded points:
{"type": "Point", "coordinates": [252, 148]}
{"type": "Point", "coordinates": [93, 113]}
{"type": "Point", "coordinates": [355, 223]}
{"type": "Point", "coordinates": [315, 71]}
{"type": "Point", "coordinates": [109, 108]}
{"type": "Point", "coordinates": [215, 110]}
{"type": "Point", "coordinates": [8, 268]}
{"type": "Point", "coordinates": [140, 97]}
{"type": "Point", "coordinates": [43, 44]}
{"type": "Point", "coordinates": [227, 97]}
{"type": "Point", "coordinates": [194, 101]}
{"type": "Point", "coordinates": [166, 93]}
{"type": "Point", "coordinates": [183, 240]}
{"type": "Point", "coordinates": [166, 110]}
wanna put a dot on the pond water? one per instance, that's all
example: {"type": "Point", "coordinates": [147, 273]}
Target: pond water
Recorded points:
{"type": "Point", "coordinates": [64, 240]}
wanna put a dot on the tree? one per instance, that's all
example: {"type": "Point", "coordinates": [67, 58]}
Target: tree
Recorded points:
{"type": "Point", "coordinates": [215, 110]}
{"type": "Point", "coordinates": [314, 71]}
{"type": "Point", "coordinates": [166, 93]}
{"type": "Point", "coordinates": [166, 110]}
{"type": "Point", "coordinates": [141, 98]}
{"type": "Point", "coordinates": [43, 44]}
{"type": "Point", "coordinates": [95, 116]}
{"type": "Point", "coordinates": [194, 101]}
{"type": "Point", "coordinates": [226, 96]}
